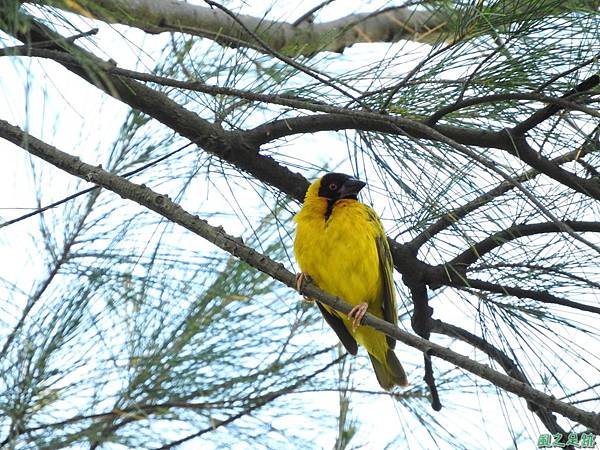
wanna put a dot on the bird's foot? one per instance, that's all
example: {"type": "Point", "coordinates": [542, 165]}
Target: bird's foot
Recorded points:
{"type": "Point", "coordinates": [357, 313]}
{"type": "Point", "coordinates": [300, 279]}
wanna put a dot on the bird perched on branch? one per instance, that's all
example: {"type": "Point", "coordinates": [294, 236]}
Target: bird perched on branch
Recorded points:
{"type": "Point", "coordinates": [341, 246]}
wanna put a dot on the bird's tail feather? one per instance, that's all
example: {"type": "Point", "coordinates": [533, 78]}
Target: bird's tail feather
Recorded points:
{"type": "Point", "coordinates": [391, 373]}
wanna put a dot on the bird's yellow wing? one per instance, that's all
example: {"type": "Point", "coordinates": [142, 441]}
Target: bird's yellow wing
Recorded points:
{"type": "Point", "coordinates": [386, 268]}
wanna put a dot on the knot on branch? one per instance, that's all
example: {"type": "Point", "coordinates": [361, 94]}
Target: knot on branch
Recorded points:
{"type": "Point", "coordinates": [91, 177]}
{"type": "Point", "coordinates": [160, 200]}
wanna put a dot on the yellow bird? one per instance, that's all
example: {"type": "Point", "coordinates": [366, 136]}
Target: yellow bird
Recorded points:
{"type": "Point", "coordinates": [341, 246]}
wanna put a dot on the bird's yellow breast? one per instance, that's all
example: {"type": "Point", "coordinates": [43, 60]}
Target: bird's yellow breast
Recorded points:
{"type": "Point", "coordinates": [339, 253]}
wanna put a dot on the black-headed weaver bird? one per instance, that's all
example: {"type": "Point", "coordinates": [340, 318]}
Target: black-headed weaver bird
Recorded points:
{"type": "Point", "coordinates": [341, 246]}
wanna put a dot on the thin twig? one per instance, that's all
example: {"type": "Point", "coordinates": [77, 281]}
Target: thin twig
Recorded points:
{"type": "Point", "coordinates": [539, 296]}
{"type": "Point", "coordinates": [462, 211]}
{"type": "Point", "coordinates": [310, 12]}
{"type": "Point", "coordinates": [543, 114]}
{"type": "Point", "coordinates": [259, 403]}
{"type": "Point", "coordinates": [93, 188]}
{"type": "Point", "coordinates": [311, 73]}
{"type": "Point", "coordinates": [573, 69]}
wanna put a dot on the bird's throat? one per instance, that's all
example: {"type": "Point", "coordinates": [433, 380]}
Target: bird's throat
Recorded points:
{"type": "Point", "coordinates": [329, 210]}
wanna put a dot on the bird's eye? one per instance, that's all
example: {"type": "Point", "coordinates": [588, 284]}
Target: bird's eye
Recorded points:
{"type": "Point", "coordinates": [333, 186]}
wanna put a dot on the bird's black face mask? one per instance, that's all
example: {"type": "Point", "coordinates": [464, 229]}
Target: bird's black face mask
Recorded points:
{"type": "Point", "coordinates": [338, 186]}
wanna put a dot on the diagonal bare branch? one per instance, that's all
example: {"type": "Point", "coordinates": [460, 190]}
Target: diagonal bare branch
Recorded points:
{"type": "Point", "coordinates": [510, 367]}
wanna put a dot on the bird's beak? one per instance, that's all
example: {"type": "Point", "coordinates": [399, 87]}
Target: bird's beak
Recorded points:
{"type": "Point", "coordinates": [351, 188]}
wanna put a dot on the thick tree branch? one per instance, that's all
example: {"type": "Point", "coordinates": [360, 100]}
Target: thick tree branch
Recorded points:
{"type": "Point", "coordinates": [502, 139]}
{"type": "Point", "coordinates": [170, 210]}
{"type": "Point", "coordinates": [306, 38]}
{"type": "Point", "coordinates": [334, 118]}
{"type": "Point", "coordinates": [522, 150]}
{"type": "Point", "coordinates": [390, 24]}
{"type": "Point", "coordinates": [540, 296]}
{"type": "Point", "coordinates": [421, 324]}
{"type": "Point", "coordinates": [364, 121]}
{"type": "Point", "coordinates": [476, 251]}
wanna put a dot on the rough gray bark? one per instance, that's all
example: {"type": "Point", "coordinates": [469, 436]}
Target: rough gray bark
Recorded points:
{"type": "Point", "coordinates": [305, 38]}
{"type": "Point", "coordinates": [425, 24]}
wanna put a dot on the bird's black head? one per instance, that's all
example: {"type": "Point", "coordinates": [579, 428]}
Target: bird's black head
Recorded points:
{"type": "Point", "coordinates": [336, 186]}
